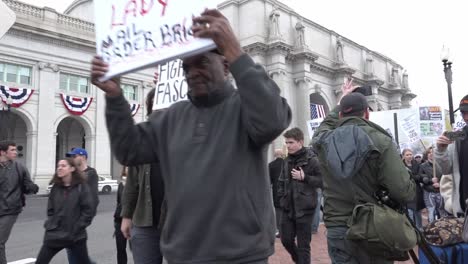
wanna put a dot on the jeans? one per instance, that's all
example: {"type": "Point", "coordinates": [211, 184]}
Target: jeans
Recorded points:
{"type": "Point", "coordinates": [73, 258]}
{"type": "Point", "coordinates": [343, 251]}
{"type": "Point", "coordinates": [6, 225]}
{"type": "Point", "coordinates": [79, 251]}
{"type": "Point", "coordinates": [435, 205]}
{"type": "Point", "coordinates": [316, 218]}
{"type": "Point", "coordinates": [416, 217]}
{"type": "Point", "coordinates": [300, 228]}
{"type": "Point", "coordinates": [121, 244]}
{"type": "Point", "coordinates": [145, 245]}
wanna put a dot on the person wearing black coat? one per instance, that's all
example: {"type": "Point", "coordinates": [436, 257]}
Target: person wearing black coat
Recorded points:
{"type": "Point", "coordinates": [432, 197]}
{"type": "Point", "coordinates": [69, 211]}
{"type": "Point", "coordinates": [297, 190]}
{"type": "Point", "coordinates": [120, 240]}
{"type": "Point", "coordinates": [414, 207]}
{"type": "Point", "coordinates": [275, 168]}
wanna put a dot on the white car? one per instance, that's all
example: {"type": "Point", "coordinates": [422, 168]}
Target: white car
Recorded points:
{"type": "Point", "coordinates": [105, 185]}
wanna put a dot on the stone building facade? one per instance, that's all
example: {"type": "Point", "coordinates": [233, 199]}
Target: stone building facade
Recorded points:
{"type": "Point", "coordinates": [50, 53]}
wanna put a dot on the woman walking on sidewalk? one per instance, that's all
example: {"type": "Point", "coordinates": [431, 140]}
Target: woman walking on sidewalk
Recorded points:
{"type": "Point", "coordinates": [69, 212]}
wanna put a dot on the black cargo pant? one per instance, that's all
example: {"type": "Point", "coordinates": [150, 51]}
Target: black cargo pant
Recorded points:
{"type": "Point", "coordinates": [300, 228]}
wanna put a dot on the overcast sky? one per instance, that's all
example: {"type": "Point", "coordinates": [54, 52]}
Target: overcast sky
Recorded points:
{"type": "Point", "coordinates": [412, 32]}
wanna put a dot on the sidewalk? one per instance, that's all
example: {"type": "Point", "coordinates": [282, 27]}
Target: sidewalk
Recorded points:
{"type": "Point", "coordinates": [319, 250]}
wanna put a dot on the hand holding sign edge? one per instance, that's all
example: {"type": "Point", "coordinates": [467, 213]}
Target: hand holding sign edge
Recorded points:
{"type": "Point", "coordinates": [98, 69]}
{"type": "Point", "coordinates": [214, 25]}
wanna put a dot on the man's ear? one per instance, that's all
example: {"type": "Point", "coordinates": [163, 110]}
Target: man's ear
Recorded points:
{"type": "Point", "coordinates": [366, 114]}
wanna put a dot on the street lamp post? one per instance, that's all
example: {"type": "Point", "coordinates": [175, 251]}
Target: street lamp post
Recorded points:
{"type": "Point", "coordinates": [448, 78]}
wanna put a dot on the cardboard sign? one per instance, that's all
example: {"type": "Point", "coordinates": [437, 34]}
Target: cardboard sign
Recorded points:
{"type": "Point", "coordinates": [8, 18]}
{"type": "Point", "coordinates": [172, 86]}
{"type": "Point", "coordinates": [312, 125]}
{"type": "Point", "coordinates": [410, 126]}
{"type": "Point", "coordinates": [135, 34]}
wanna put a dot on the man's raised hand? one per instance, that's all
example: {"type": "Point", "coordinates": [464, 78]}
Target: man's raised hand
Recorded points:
{"type": "Point", "coordinates": [98, 69]}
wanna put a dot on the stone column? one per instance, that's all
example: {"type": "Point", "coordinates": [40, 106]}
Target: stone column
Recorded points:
{"type": "Point", "coordinates": [303, 105]}
{"type": "Point", "coordinates": [46, 135]}
{"type": "Point", "coordinates": [31, 156]}
{"type": "Point", "coordinates": [100, 141]}
{"type": "Point", "coordinates": [278, 76]}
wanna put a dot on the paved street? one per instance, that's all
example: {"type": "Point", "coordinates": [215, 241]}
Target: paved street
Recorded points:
{"type": "Point", "coordinates": [26, 237]}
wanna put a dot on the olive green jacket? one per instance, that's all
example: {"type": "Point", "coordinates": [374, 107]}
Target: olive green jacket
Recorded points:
{"type": "Point", "coordinates": [357, 150]}
{"type": "Point", "coordinates": [136, 199]}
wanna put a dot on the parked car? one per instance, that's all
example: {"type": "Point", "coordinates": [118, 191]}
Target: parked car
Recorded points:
{"type": "Point", "coordinates": [105, 185]}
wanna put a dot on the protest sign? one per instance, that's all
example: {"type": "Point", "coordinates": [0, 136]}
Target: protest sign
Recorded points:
{"type": "Point", "coordinates": [459, 122]}
{"type": "Point", "coordinates": [431, 121]}
{"type": "Point", "coordinates": [410, 125]}
{"type": "Point", "coordinates": [312, 125]}
{"type": "Point", "coordinates": [132, 35]}
{"type": "Point", "coordinates": [8, 18]}
{"type": "Point", "coordinates": [172, 86]}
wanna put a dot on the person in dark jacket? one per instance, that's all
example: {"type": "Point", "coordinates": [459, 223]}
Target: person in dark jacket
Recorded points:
{"type": "Point", "coordinates": [275, 167]}
{"type": "Point", "coordinates": [212, 150]}
{"type": "Point", "coordinates": [15, 182]}
{"type": "Point", "coordinates": [69, 212]}
{"type": "Point", "coordinates": [141, 207]}
{"type": "Point", "coordinates": [297, 190]}
{"type": "Point", "coordinates": [80, 156]}
{"type": "Point", "coordinates": [430, 183]}
{"type": "Point", "coordinates": [120, 240]}
{"type": "Point", "coordinates": [414, 207]}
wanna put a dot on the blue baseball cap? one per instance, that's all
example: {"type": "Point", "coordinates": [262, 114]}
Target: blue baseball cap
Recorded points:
{"type": "Point", "coordinates": [77, 151]}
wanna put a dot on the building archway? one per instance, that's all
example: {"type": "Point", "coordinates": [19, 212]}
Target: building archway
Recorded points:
{"type": "Point", "coordinates": [317, 99]}
{"type": "Point", "coordinates": [14, 127]}
{"type": "Point", "coordinates": [71, 133]}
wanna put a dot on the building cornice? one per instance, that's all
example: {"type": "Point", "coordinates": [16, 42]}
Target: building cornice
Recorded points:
{"type": "Point", "coordinates": [52, 38]}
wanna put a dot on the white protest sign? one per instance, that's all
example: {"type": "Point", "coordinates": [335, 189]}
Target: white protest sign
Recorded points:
{"type": "Point", "coordinates": [410, 125]}
{"type": "Point", "coordinates": [132, 35]}
{"type": "Point", "coordinates": [8, 18]}
{"type": "Point", "coordinates": [312, 125]}
{"type": "Point", "coordinates": [459, 122]}
{"type": "Point", "coordinates": [172, 86]}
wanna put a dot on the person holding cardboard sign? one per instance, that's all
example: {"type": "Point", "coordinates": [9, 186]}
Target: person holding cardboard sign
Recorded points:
{"type": "Point", "coordinates": [212, 151]}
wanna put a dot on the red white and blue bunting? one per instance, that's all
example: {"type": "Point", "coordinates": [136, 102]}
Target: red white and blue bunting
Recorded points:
{"type": "Point", "coordinates": [134, 108]}
{"type": "Point", "coordinates": [76, 105]}
{"type": "Point", "coordinates": [16, 97]}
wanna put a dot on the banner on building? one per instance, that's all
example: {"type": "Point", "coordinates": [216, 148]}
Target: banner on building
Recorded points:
{"type": "Point", "coordinates": [8, 18]}
{"type": "Point", "coordinates": [172, 86]}
{"type": "Point", "coordinates": [15, 97]}
{"type": "Point", "coordinates": [76, 105]}
{"type": "Point", "coordinates": [132, 35]}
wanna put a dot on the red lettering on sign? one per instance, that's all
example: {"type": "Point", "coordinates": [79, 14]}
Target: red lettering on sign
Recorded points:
{"type": "Point", "coordinates": [164, 4]}
{"type": "Point", "coordinates": [132, 9]}
{"type": "Point", "coordinates": [145, 8]}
